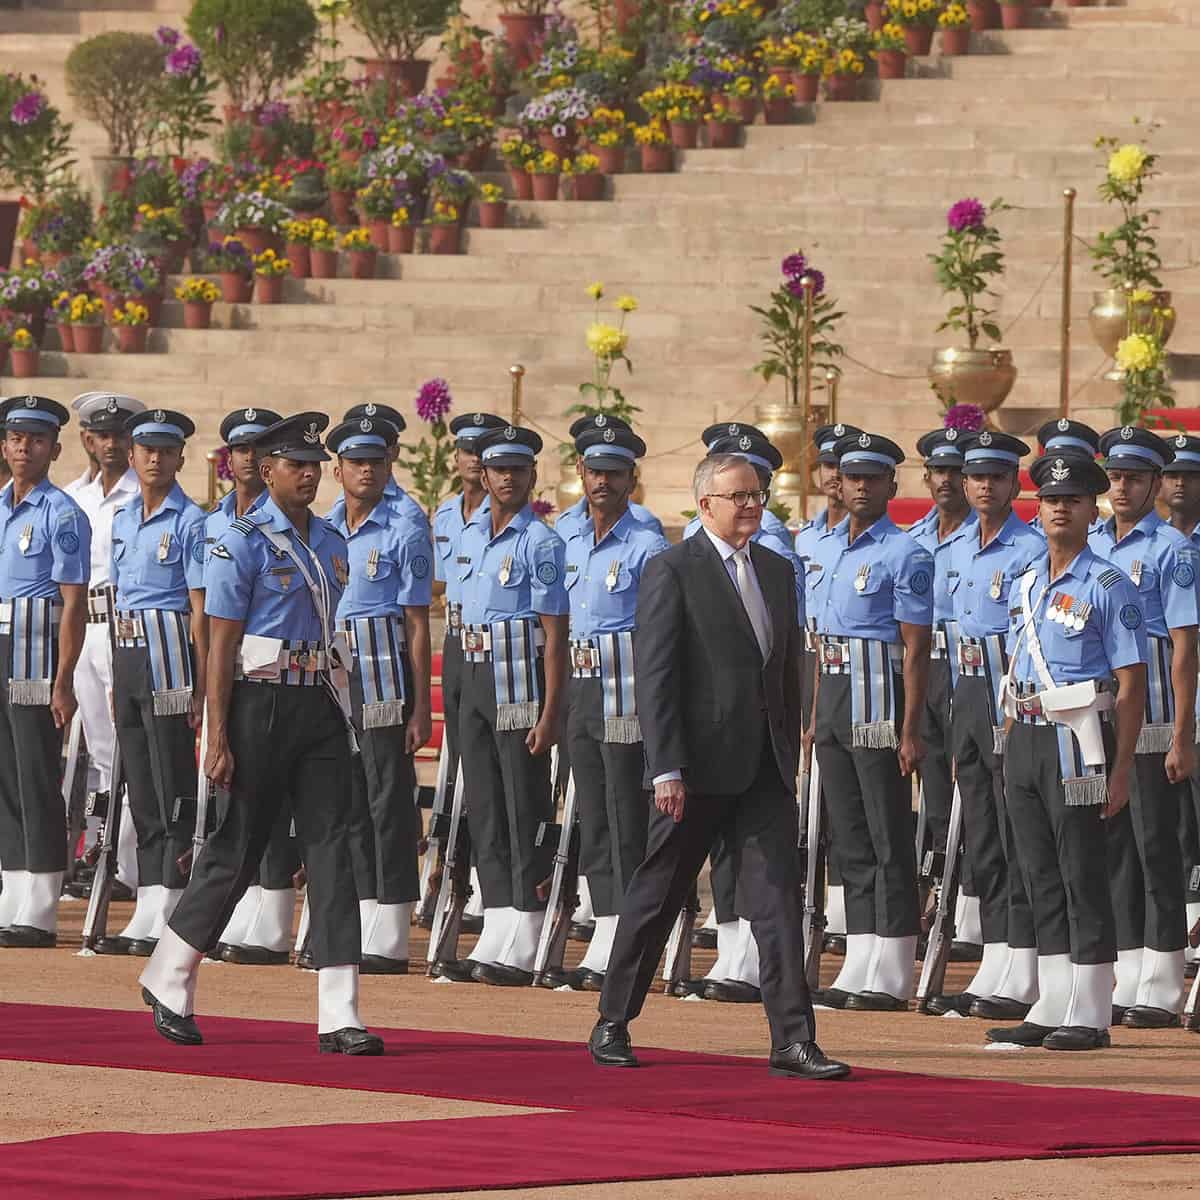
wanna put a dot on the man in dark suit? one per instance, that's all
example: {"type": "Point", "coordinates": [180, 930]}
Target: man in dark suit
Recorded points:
{"type": "Point", "coordinates": [718, 652]}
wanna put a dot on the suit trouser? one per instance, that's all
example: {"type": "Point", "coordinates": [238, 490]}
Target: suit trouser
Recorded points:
{"type": "Point", "coordinates": [387, 823]}
{"type": "Point", "coordinates": [761, 824]}
{"type": "Point", "coordinates": [614, 806]}
{"type": "Point", "coordinates": [1004, 911]}
{"type": "Point", "coordinates": [287, 742]}
{"type": "Point", "coordinates": [870, 815]}
{"type": "Point", "coordinates": [1189, 837]}
{"type": "Point", "coordinates": [1060, 850]}
{"type": "Point", "coordinates": [159, 757]}
{"type": "Point", "coordinates": [93, 683]}
{"type": "Point", "coordinates": [33, 821]}
{"type": "Point", "coordinates": [507, 794]}
{"type": "Point", "coordinates": [1145, 860]}
{"type": "Point", "coordinates": [936, 775]}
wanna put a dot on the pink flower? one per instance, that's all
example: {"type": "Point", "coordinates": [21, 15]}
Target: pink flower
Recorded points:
{"type": "Point", "coordinates": [965, 215]}
{"type": "Point", "coordinates": [542, 509]}
{"type": "Point", "coordinates": [166, 37]}
{"type": "Point", "coordinates": [793, 266]}
{"type": "Point", "coordinates": [433, 400]}
{"type": "Point", "coordinates": [967, 418]}
{"type": "Point", "coordinates": [183, 60]}
{"type": "Point", "coordinates": [28, 108]}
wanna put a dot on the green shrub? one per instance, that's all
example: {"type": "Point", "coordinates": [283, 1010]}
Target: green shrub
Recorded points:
{"type": "Point", "coordinates": [398, 28]}
{"type": "Point", "coordinates": [114, 78]}
{"type": "Point", "coordinates": [253, 46]}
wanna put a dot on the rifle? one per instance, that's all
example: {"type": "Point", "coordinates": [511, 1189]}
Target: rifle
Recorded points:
{"type": "Point", "coordinates": [1191, 1018]}
{"type": "Point", "coordinates": [454, 889]}
{"type": "Point", "coordinates": [945, 890]}
{"type": "Point", "coordinates": [561, 890]}
{"type": "Point", "coordinates": [68, 779]}
{"type": "Point", "coordinates": [74, 789]}
{"type": "Point", "coordinates": [813, 924]}
{"type": "Point", "coordinates": [431, 868]}
{"type": "Point", "coordinates": [187, 859]}
{"type": "Point", "coordinates": [677, 965]}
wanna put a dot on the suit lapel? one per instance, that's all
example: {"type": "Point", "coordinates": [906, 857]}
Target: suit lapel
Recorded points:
{"type": "Point", "coordinates": [726, 591]}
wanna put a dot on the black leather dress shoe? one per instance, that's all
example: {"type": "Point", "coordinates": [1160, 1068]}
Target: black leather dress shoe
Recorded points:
{"type": "Point", "coordinates": [609, 1045]}
{"type": "Point", "coordinates": [959, 1002]}
{"type": "Point", "coordinates": [1025, 1034]}
{"type": "Point", "coordinates": [501, 975]}
{"type": "Point", "coordinates": [732, 991]}
{"type": "Point", "coordinates": [688, 987]}
{"type": "Point", "coordinates": [555, 977]}
{"type": "Point", "coordinates": [468, 924]}
{"type": "Point", "coordinates": [27, 937]}
{"type": "Point", "coordinates": [834, 943]}
{"type": "Point", "coordinates": [252, 956]}
{"type": "Point", "coordinates": [966, 952]}
{"type": "Point", "coordinates": [581, 931]}
{"type": "Point", "coordinates": [142, 947]}
{"type": "Point", "coordinates": [376, 964]}
{"type": "Point", "coordinates": [999, 1008]}
{"type": "Point", "coordinates": [1143, 1016]}
{"type": "Point", "coordinates": [183, 1031]}
{"type": "Point", "coordinates": [1077, 1037]}
{"type": "Point", "coordinates": [875, 1002]}
{"type": "Point", "coordinates": [350, 1041]}
{"type": "Point", "coordinates": [112, 945]}
{"type": "Point", "coordinates": [591, 981]}
{"type": "Point", "coordinates": [462, 971]}
{"type": "Point", "coordinates": [1118, 1013]}
{"type": "Point", "coordinates": [705, 939]}
{"type": "Point", "coordinates": [831, 997]}
{"type": "Point", "coordinates": [805, 1060]}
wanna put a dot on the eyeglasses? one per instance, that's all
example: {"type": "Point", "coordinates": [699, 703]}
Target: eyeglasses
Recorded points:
{"type": "Point", "coordinates": [743, 499]}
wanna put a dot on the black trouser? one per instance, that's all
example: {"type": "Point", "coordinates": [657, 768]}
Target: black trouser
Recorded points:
{"type": "Point", "coordinates": [1189, 838]}
{"type": "Point", "coordinates": [287, 742]}
{"type": "Point", "coordinates": [937, 780]}
{"type": "Point", "coordinates": [1060, 850]}
{"type": "Point", "coordinates": [159, 759]}
{"type": "Point", "coordinates": [452, 679]}
{"type": "Point", "coordinates": [281, 859]}
{"type": "Point", "coordinates": [387, 824]}
{"type": "Point", "coordinates": [508, 796]}
{"type": "Point", "coordinates": [761, 825]}
{"type": "Point", "coordinates": [870, 814]}
{"type": "Point", "coordinates": [1145, 860]}
{"type": "Point", "coordinates": [833, 874]}
{"type": "Point", "coordinates": [33, 823]}
{"type": "Point", "coordinates": [1004, 911]}
{"type": "Point", "coordinates": [614, 806]}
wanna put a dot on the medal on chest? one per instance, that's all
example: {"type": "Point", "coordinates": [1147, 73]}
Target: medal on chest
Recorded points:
{"type": "Point", "coordinates": [1135, 572]}
{"type": "Point", "coordinates": [997, 588]}
{"type": "Point", "coordinates": [25, 540]}
{"type": "Point", "coordinates": [1055, 612]}
{"type": "Point", "coordinates": [164, 547]}
{"type": "Point", "coordinates": [373, 563]}
{"type": "Point", "coordinates": [1079, 620]}
{"type": "Point", "coordinates": [860, 580]}
{"type": "Point", "coordinates": [505, 572]}
{"type": "Point", "coordinates": [614, 571]}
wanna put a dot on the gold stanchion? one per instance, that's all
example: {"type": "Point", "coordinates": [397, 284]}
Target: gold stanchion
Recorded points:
{"type": "Point", "coordinates": [808, 283]}
{"type": "Point", "coordinates": [518, 374]}
{"type": "Point", "coordinates": [1064, 370]}
{"type": "Point", "coordinates": [214, 491]}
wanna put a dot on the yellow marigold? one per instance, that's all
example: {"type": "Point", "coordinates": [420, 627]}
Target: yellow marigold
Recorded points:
{"type": "Point", "coordinates": [626, 304]}
{"type": "Point", "coordinates": [606, 341]}
{"type": "Point", "coordinates": [1127, 164]}
{"type": "Point", "coordinates": [1137, 352]}
{"type": "Point", "coordinates": [595, 290]}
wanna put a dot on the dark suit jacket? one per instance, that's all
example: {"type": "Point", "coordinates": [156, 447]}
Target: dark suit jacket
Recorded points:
{"type": "Point", "coordinates": [705, 698]}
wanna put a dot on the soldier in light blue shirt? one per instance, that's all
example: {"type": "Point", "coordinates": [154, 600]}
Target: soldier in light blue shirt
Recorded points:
{"type": "Point", "coordinates": [1066, 436]}
{"type": "Point", "coordinates": [157, 572]}
{"type": "Point", "coordinates": [1074, 619]}
{"type": "Point", "coordinates": [1145, 855]}
{"type": "Point", "coordinates": [385, 613]}
{"type": "Point", "coordinates": [45, 560]}
{"type": "Point", "coordinates": [874, 596]}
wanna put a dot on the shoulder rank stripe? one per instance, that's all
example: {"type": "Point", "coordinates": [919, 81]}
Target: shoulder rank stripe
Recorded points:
{"type": "Point", "coordinates": [1107, 579]}
{"type": "Point", "coordinates": [244, 527]}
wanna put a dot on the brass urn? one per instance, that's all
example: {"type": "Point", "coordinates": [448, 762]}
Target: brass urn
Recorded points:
{"type": "Point", "coordinates": [980, 377]}
{"type": "Point", "coordinates": [1109, 319]}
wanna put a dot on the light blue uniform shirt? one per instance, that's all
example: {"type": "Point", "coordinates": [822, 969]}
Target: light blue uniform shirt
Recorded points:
{"type": "Point", "coordinates": [46, 540]}
{"type": "Point", "coordinates": [980, 582]}
{"type": "Point", "coordinates": [1113, 636]}
{"type": "Point", "coordinates": [393, 495]}
{"type": "Point", "coordinates": [399, 576]}
{"type": "Point", "coordinates": [897, 582]}
{"type": "Point", "coordinates": [535, 557]}
{"type": "Point", "coordinates": [602, 580]}
{"type": "Point", "coordinates": [248, 580]}
{"type": "Point", "coordinates": [805, 546]}
{"type": "Point", "coordinates": [925, 533]}
{"type": "Point", "coordinates": [572, 519]}
{"type": "Point", "coordinates": [448, 525]}
{"type": "Point", "coordinates": [1166, 565]}
{"type": "Point", "coordinates": [221, 517]}
{"type": "Point", "coordinates": [157, 559]}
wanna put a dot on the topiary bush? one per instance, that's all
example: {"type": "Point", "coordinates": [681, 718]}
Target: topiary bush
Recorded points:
{"type": "Point", "coordinates": [253, 46]}
{"type": "Point", "coordinates": [397, 29]}
{"type": "Point", "coordinates": [114, 78]}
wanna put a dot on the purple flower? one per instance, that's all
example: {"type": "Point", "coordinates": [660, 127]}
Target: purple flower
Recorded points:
{"type": "Point", "coordinates": [559, 130]}
{"type": "Point", "coordinates": [968, 418]}
{"type": "Point", "coordinates": [275, 112]}
{"type": "Point", "coordinates": [28, 108]}
{"type": "Point", "coordinates": [224, 469]}
{"type": "Point", "coordinates": [166, 37]}
{"type": "Point", "coordinates": [965, 215]}
{"type": "Point", "coordinates": [182, 61]}
{"type": "Point", "coordinates": [433, 400]}
{"type": "Point", "coordinates": [796, 287]}
{"type": "Point", "coordinates": [542, 509]}
{"type": "Point", "coordinates": [794, 265]}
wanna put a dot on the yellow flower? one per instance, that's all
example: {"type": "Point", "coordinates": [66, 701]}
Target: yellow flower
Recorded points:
{"type": "Point", "coordinates": [1141, 296]}
{"type": "Point", "coordinates": [595, 290]}
{"type": "Point", "coordinates": [606, 341]}
{"type": "Point", "coordinates": [22, 340]}
{"type": "Point", "coordinates": [626, 304]}
{"type": "Point", "coordinates": [1137, 352]}
{"type": "Point", "coordinates": [1127, 164]}
{"type": "Point", "coordinates": [400, 216]}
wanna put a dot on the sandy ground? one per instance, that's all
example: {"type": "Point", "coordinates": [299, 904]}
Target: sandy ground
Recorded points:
{"type": "Point", "coordinates": [41, 1101]}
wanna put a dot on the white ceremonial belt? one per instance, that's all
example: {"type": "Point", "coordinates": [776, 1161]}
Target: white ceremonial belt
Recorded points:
{"type": "Point", "coordinates": [6, 611]}
{"type": "Point", "coordinates": [937, 646]}
{"type": "Point", "coordinates": [98, 606]}
{"type": "Point", "coordinates": [285, 662]}
{"type": "Point", "coordinates": [478, 639]}
{"type": "Point", "coordinates": [812, 640]}
{"type": "Point", "coordinates": [454, 617]}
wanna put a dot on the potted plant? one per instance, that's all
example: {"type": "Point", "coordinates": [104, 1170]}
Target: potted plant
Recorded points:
{"type": "Point", "coordinates": [657, 154]}
{"type": "Point", "coordinates": [161, 232]}
{"type": "Point", "coordinates": [583, 177]}
{"type": "Point", "coordinates": [401, 232]}
{"type": "Point", "coordinates": [198, 296]}
{"type": "Point", "coordinates": [1014, 14]}
{"type": "Point", "coordinates": [23, 354]}
{"type": "Point", "coordinates": [35, 148]}
{"type": "Point", "coordinates": [808, 67]}
{"type": "Point", "coordinates": [26, 292]}
{"type": "Point", "coordinates": [492, 207]}
{"type": "Point", "coordinates": [430, 465]}
{"type": "Point", "coordinates": [608, 132]}
{"type": "Point", "coordinates": [955, 23]}
{"type": "Point", "coordinates": [269, 270]}
{"type": "Point", "coordinates": [523, 22]}
{"type": "Point", "coordinates": [376, 204]}
{"type": "Point", "coordinates": [843, 71]}
{"type": "Point", "coordinates": [322, 250]}
{"type": "Point", "coordinates": [558, 116]}
{"type": "Point", "coordinates": [60, 311]}
{"type": "Point", "coordinates": [875, 13]}
{"type": "Point", "coordinates": [231, 259]}
{"type": "Point", "coordinates": [86, 317]}
{"type": "Point", "coordinates": [445, 232]}
{"type": "Point", "coordinates": [302, 181]}
{"type": "Point", "coordinates": [297, 239]}
{"type": "Point", "coordinates": [56, 225]}
{"type": "Point", "coordinates": [363, 253]}
{"type": "Point", "coordinates": [396, 30]}
{"type": "Point", "coordinates": [545, 171]}
{"type": "Point", "coordinates": [891, 52]}
{"type": "Point", "coordinates": [777, 100]}
{"type": "Point", "coordinates": [1141, 358]}
{"type": "Point", "coordinates": [132, 325]}
{"type": "Point", "coordinates": [969, 260]}
{"type": "Point", "coordinates": [679, 105]}
{"type": "Point", "coordinates": [183, 104]}
{"type": "Point", "coordinates": [985, 14]}
{"type": "Point", "coordinates": [918, 19]}
{"type": "Point", "coordinates": [721, 125]}
{"type": "Point", "coordinates": [342, 180]}
{"type": "Point", "coordinates": [517, 153]}
{"type": "Point", "coordinates": [255, 220]}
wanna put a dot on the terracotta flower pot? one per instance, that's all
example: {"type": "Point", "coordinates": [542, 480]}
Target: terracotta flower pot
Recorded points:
{"type": "Point", "coordinates": [657, 160]}
{"type": "Point", "coordinates": [379, 227]}
{"type": "Point", "coordinates": [405, 76]}
{"type": "Point", "coordinates": [918, 40]}
{"type": "Point", "coordinates": [23, 364]}
{"type": "Point", "coordinates": [235, 287]}
{"type": "Point", "coordinates": [341, 204]}
{"type": "Point", "coordinates": [564, 147]}
{"type": "Point", "coordinates": [722, 135]}
{"type": "Point", "coordinates": [874, 15]}
{"type": "Point", "coordinates": [685, 134]}
{"type": "Point", "coordinates": [1014, 16]}
{"type": "Point", "coordinates": [522, 183]}
{"type": "Point", "coordinates": [956, 42]}
{"type": "Point", "coordinates": [746, 107]}
{"type": "Point", "coordinates": [893, 64]}
{"type": "Point", "coordinates": [210, 208]}
{"type": "Point", "coordinates": [363, 263]}
{"type": "Point", "coordinates": [612, 159]}
{"type": "Point", "coordinates": [258, 240]}
{"type": "Point", "coordinates": [297, 255]}
{"type": "Point", "coordinates": [446, 239]}
{"type": "Point", "coordinates": [842, 87]}
{"type": "Point", "coordinates": [401, 239]}
{"type": "Point", "coordinates": [807, 87]}
{"type": "Point", "coordinates": [521, 31]}
{"type": "Point", "coordinates": [88, 338]}
{"type": "Point", "coordinates": [66, 337]}
{"type": "Point", "coordinates": [153, 302]}
{"type": "Point", "coordinates": [131, 339]}
{"type": "Point", "coordinates": [323, 262]}
{"type": "Point", "coordinates": [491, 216]}
{"type": "Point", "coordinates": [197, 314]}
{"type": "Point", "coordinates": [588, 187]}
{"type": "Point", "coordinates": [985, 14]}
{"type": "Point", "coordinates": [268, 289]}
{"type": "Point", "coordinates": [545, 187]}
{"type": "Point", "coordinates": [777, 111]}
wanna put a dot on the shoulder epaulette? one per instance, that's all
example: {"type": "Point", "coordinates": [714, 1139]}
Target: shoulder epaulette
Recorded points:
{"type": "Point", "coordinates": [1106, 579]}
{"type": "Point", "coordinates": [243, 526]}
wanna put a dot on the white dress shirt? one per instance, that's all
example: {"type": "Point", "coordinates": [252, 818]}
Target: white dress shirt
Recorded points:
{"type": "Point", "coordinates": [100, 510]}
{"type": "Point", "coordinates": [77, 485]}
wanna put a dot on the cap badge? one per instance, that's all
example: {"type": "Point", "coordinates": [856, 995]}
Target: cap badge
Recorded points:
{"type": "Point", "coordinates": [744, 442]}
{"type": "Point", "coordinates": [510, 434]}
{"type": "Point", "coordinates": [365, 425]}
{"type": "Point", "coordinates": [250, 414]}
{"type": "Point", "coordinates": [159, 415]}
{"type": "Point", "coordinates": [985, 438]}
{"type": "Point", "coordinates": [31, 402]}
{"type": "Point", "coordinates": [951, 435]}
{"type": "Point", "coordinates": [477, 419]}
{"type": "Point", "coordinates": [1127, 434]}
{"type": "Point", "coordinates": [369, 410]}
{"type": "Point", "coordinates": [312, 435]}
{"type": "Point", "coordinates": [839, 430]}
{"type": "Point", "coordinates": [1060, 472]}
{"type": "Point", "coordinates": [864, 440]}
{"type": "Point", "coordinates": [1181, 441]}
{"type": "Point", "coordinates": [1063, 424]}
{"type": "Point", "coordinates": [600, 420]}
{"type": "Point", "coordinates": [112, 406]}
{"type": "Point", "coordinates": [610, 435]}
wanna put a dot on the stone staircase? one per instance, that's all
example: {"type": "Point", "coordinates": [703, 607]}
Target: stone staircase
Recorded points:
{"type": "Point", "coordinates": [862, 187]}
